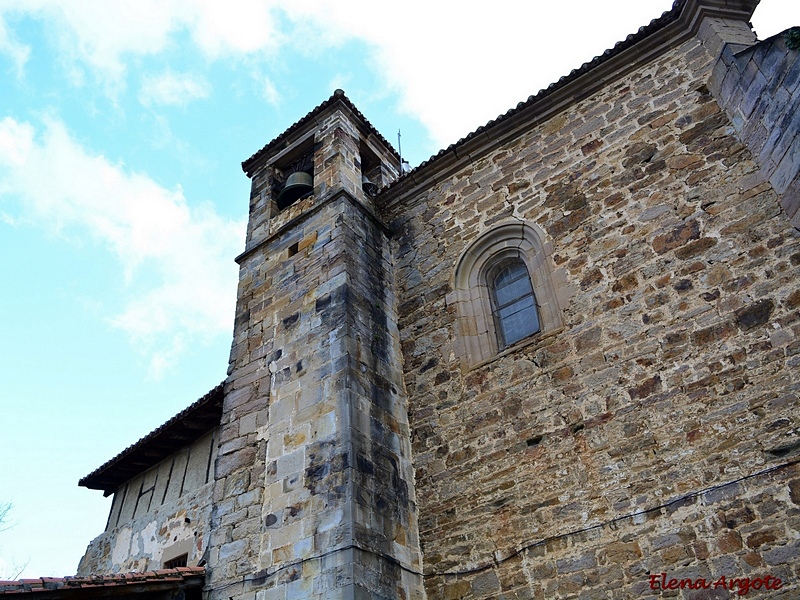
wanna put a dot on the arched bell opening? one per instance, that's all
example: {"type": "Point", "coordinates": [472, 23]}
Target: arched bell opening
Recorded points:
{"type": "Point", "coordinates": [298, 185]}
{"type": "Point", "coordinates": [293, 176]}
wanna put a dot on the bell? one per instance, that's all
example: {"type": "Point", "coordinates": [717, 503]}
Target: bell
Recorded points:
{"type": "Point", "coordinates": [298, 184]}
{"type": "Point", "coordinates": [370, 188]}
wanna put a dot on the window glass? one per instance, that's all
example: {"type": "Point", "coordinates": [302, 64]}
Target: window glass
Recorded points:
{"type": "Point", "coordinates": [514, 302]}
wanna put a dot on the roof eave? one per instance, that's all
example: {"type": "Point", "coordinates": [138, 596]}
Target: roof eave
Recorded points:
{"type": "Point", "coordinates": [184, 428]}
{"type": "Point", "coordinates": [307, 123]}
{"type": "Point", "coordinates": [668, 31]}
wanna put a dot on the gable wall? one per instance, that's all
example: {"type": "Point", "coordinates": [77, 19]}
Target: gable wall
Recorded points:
{"type": "Point", "coordinates": [653, 432]}
{"type": "Point", "coordinates": [159, 514]}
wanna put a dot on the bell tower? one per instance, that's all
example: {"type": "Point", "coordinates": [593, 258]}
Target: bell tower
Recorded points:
{"type": "Point", "coordinates": [314, 493]}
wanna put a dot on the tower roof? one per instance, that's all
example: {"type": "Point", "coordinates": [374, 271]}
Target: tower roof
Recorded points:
{"type": "Point", "coordinates": [286, 138]}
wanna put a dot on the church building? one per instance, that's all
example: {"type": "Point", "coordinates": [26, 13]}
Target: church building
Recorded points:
{"type": "Point", "coordinates": [559, 359]}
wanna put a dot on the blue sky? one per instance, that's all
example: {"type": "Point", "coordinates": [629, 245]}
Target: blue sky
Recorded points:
{"type": "Point", "coordinates": [123, 204]}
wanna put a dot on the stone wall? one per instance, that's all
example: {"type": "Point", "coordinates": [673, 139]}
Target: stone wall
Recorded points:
{"type": "Point", "coordinates": [759, 87]}
{"type": "Point", "coordinates": [647, 437]}
{"type": "Point", "coordinates": [158, 515]}
{"type": "Point", "coordinates": [652, 432]}
{"type": "Point", "coordinates": [314, 486]}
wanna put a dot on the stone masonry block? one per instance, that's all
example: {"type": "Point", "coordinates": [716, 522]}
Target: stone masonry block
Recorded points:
{"type": "Point", "coordinates": [753, 94]}
{"type": "Point", "coordinates": [289, 464]}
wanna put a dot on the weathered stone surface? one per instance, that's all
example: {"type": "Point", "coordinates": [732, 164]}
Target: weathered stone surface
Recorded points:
{"type": "Point", "coordinates": [651, 432]}
{"type": "Point", "coordinates": [158, 515]}
{"type": "Point", "coordinates": [757, 89]}
{"type": "Point", "coordinates": [662, 236]}
{"type": "Point", "coordinates": [321, 414]}
{"type": "Point", "coordinates": [678, 236]}
{"type": "Point", "coordinates": [756, 314]}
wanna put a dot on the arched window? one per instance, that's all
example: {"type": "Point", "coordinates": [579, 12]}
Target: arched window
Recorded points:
{"type": "Point", "coordinates": [513, 301]}
{"type": "Point", "coordinates": [503, 291]}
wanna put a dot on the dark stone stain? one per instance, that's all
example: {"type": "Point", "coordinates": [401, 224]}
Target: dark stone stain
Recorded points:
{"type": "Point", "coordinates": [431, 362]}
{"type": "Point", "coordinates": [242, 318]}
{"type": "Point", "coordinates": [646, 388]}
{"type": "Point", "coordinates": [639, 153]}
{"type": "Point", "coordinates": [700, 134]}
{"type": "Point", "coordinates": [566, 195]}
{"type": "Point", "coordinates": [784, 450]}
{"type": "Point", "coordinates": [441, 377]}
{"type": "Point", "coordinates": [291, 320]}
{"type": "Point", "coordinates": [364, 465]}
{"type": "Point", "coordinates": [677, 237]}
{"type": "Point", "coordinates": [322, 303]}
{"type": "Point", "coordinates": [755, 314]}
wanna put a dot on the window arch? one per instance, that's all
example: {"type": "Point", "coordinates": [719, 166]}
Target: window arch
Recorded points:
{"type": "Point", "coordinates": [503, 291]}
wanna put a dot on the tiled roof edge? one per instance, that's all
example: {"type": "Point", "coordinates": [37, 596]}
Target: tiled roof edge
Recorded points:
{"type": "Point", "coordinates": [91, 480]}
{"type": "Point", "coordinates": [618, 48]}
{"type": "Point", "coordinates": [674, 15]}
{"type": "Point", "coordinates": [178, 575]}
{"type": "Point", "coordinates": [337, 96]}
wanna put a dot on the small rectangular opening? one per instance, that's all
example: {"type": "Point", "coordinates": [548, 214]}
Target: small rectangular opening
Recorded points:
{"type": "Point", "coordinates": [178, 561]}
{"type": "Point", "coordinates": [293, 249]}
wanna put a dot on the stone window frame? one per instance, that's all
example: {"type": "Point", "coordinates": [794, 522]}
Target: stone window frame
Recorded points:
{"type": "Point", "coordinates": [478, 339]}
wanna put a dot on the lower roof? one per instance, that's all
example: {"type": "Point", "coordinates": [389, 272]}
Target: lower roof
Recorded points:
{"type": "Point", "coordinates": [150, 584]}
{"type": "Point", "coordinates": [184, 428]}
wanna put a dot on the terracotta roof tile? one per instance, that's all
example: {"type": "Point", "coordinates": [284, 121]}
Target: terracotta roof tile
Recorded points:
{"type": "Point", "coordinates": [338, 96]}
{"type": "Point", "coordinates": [185, 427]}
{"type": "Point", "coordinates": [179, 575]}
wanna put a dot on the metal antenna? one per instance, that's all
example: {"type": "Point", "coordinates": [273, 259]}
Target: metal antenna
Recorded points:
{"type": "Point", "coordinates": [400, 152]}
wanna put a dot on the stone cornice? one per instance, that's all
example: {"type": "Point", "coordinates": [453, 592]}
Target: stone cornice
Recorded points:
{"type": "Point", "coordinates": [307, 214]}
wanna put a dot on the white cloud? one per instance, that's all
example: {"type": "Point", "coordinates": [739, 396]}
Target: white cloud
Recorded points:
{"type": "Point", "coordinates": [149, 229]}
{"type": "Point", "coordinates": [17, 52]}
{"type": "Point", "coordinates": [775, 16]}
{"type": "Point", "coordinates": [453, 65]}
{"type": "Point", "coordinates": [173, 89]}
{"type": "Point", "coordinates": [103, 34]}
{"type": "Point", "coordinates": [438, 56]}
{"type": "Point", "coordinates": [232, 27]}
{"type": "Point", "coordinates": [270, 92]}
{"type": "Point", "coordinates": [16, 142]}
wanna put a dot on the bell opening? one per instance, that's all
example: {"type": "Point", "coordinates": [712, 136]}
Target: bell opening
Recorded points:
{"type": "Point", "coordinates": [298, 185]}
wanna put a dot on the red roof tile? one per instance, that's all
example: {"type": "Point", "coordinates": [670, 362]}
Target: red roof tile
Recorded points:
{"type": "Point", "coordinates": [179, 577]}
{"type": "Point", "coordinates": [182, 429]}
